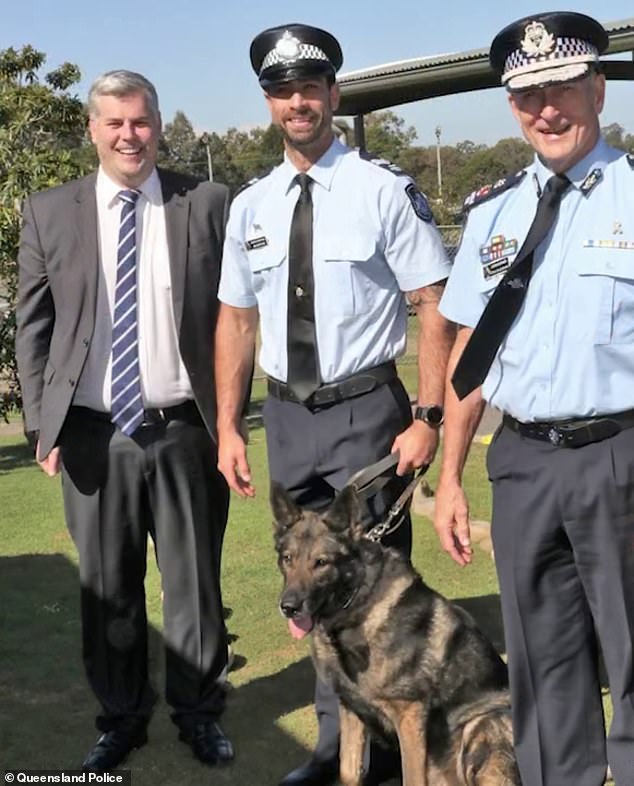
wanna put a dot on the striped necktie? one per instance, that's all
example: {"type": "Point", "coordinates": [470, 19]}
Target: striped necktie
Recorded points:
{"type": "Point", "coordinates": [127, 405]}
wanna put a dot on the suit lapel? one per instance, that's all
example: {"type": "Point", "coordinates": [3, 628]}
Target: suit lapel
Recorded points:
{"type": "Point", "coordinates": [176, 204]}
{"type": "Point", "coordinates": [87, 228]}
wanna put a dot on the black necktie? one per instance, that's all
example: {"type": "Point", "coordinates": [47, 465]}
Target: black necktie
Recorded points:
{"type": "Point", "coordinates": [507, 298]}
{"type": "Point", "coordinates": [303, 372]}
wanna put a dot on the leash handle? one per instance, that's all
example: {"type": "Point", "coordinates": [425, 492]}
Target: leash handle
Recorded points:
{"type": "Point", "coordinates": [385, 527]}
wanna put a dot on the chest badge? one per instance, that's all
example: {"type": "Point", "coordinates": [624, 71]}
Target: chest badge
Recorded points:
{"type": "Point", "coordinates": [256, 242]}
{"type": "Point", "coordinates": [497, 256]}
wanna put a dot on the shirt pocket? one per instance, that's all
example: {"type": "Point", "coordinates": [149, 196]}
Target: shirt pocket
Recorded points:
{"type": "Point", "coordinates": [269, 277]}
{"type": "Point", "coordinates": [351, 277]}
{"type": "Point", "coordinates": [606, 293]}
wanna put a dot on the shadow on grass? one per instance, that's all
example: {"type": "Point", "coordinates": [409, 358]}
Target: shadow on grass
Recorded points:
{"type": "Point", "coordinates": [47, 716]}
{"type": "Point", "coordinates": [15, 456]}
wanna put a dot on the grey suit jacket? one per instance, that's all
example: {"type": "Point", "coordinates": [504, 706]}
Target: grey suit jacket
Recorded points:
{"type": "Point", "coordinates": [58, 271]}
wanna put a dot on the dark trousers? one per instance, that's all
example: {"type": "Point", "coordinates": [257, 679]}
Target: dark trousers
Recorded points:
{"type": "Point", "coordinates": [563, 534]}
{"type": "Point", "coordinates": [312, 454]}
{"type": "Point", "coordinates": [117, 490]}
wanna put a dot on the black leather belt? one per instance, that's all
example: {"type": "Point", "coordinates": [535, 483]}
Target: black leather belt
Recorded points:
{"type": "Point", "coordinates": [575, 432]}
{"type": "Point", "coordinates": [187, 411]}
{"type": "Point", "coordinates": [356, 385]}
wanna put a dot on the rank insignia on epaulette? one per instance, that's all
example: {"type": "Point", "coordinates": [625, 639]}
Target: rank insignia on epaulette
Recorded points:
{"type": "Point", "coordinates": [493, 189]}
{"type": "Point", "coordinates": [590, 182]}
{"type": "Point", "coordinates": [382, 162]}
{"type": "Point", "coordinates": [496, 257]}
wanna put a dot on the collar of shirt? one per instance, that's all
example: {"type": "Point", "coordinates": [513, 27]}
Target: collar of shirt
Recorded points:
{"type": "Point", "coordinates": [598, 158]}
{"type": "Point", "coordinates": [108, 190]}
{"type": "Point", "coordinates": [322, 171]}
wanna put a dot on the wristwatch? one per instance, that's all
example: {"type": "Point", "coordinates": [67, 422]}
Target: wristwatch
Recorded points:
{"type": "Point", "coordinates": [433, 415]}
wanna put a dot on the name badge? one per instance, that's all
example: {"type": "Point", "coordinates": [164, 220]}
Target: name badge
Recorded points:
{"type": "Point", "coordinates": [256, 242]}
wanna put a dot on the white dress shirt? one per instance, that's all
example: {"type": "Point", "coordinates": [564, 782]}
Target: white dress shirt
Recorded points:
{"type": "Point", "coordinates": [164, 379]}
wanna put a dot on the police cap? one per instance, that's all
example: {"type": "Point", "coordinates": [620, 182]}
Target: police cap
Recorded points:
{"type": "Point", "coordinates": [294, 51]}
{"type": "Point", "coordinates": [546, 49]}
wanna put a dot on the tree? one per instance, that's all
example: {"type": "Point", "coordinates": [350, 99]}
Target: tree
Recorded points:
{"type": "Point", "coordinates": [181, 150]}
{"type": "Point", "coordinates": [387, 137]}
{"type": "Point", "coordinates": [42, 143]}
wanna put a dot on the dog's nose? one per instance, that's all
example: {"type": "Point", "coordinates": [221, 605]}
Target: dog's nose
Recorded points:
{"type": "Point", "coordinates": [290, 607]}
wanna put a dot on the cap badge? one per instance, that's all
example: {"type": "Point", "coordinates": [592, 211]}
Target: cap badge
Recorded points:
{"type": "Point", "coordinates": [537, 40]}
{"type": "Point", "coordinates": [288, 46]}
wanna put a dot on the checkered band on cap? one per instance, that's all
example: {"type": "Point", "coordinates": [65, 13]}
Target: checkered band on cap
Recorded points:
{"type": "Point", "coordinates": [566, 51]}
{"type": "Point", "coordinates": [303, 52]}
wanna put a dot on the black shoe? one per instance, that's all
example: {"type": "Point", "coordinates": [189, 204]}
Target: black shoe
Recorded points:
{"type": "Point", "coordinates": [111, 749]}
{"type": "Point", "coordinates": [208, 743]}
{"type": "Point", "coordinates": [316, 772]}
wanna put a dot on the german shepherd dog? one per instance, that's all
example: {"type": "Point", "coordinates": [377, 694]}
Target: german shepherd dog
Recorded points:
{"type": "Point", "coordinates": [406, 663]}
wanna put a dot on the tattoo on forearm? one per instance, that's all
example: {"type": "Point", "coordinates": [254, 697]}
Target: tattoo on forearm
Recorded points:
{"type": "Point", "coordinates": [425, 295]}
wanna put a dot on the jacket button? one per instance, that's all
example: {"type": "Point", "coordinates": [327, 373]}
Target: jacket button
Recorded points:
{"type": "Point", "coordinates": [86, 342]}
{"type": "Point", "coordinates": [71, 382]}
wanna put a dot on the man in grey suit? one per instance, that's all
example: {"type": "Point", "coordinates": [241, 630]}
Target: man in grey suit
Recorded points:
{"type": "Point", "coordinates": [116, 314]}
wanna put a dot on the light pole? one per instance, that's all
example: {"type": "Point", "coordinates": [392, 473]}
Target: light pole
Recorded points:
{"type": "Point", "coordinates": [210, 170]}
{"type": "Point", "coordinates": [438, 162]}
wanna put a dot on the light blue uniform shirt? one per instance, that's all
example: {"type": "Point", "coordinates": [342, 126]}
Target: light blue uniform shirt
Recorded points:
{"type": "Point", "coordinates": [369, 246]}
{"type": "Point", "coordinates": [570, 351]}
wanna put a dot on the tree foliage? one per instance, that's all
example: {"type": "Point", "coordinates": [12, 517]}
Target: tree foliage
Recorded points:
{"type": "Point", "coordinates": [387, 136]}
{"type": "Point", "coordinates": [42, 143]}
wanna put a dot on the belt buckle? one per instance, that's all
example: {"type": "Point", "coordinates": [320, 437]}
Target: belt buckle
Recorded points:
{"type": "Point", "coordinates": [555, 436]}
{"type": "Point", "coordinates": [153, 417]}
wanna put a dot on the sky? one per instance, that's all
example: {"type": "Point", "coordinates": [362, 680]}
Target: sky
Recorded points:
{"type": "Point", "coordinates": [196, 52]}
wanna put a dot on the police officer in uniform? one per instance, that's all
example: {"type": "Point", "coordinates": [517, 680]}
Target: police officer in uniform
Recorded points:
{"type": "Point", "coordinates": [542, 289]}
{"type": "Point", "coordinates": [323, 251]}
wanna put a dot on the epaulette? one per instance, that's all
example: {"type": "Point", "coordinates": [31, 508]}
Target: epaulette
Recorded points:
{"type": "Point", "coordinates": [630, 159]}
{"type": "Point", "coordinates": [252, 182]}
{"type": "Point", "coordinates": [383, 163]}
{"type": "Point", "coordinates": [492, 190]}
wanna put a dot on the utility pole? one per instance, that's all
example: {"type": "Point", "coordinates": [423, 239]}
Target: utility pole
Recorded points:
{"type": "Point", "coordinates": [438, 162]}
{"type": "Point", "coordinates": [210, 170]}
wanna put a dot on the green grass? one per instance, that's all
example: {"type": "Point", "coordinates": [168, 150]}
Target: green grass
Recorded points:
{"type": "Point", "coordinates": [47, 709]}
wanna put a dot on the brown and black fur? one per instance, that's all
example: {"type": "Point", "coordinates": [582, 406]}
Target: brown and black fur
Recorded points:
{"type": "Point", "coordinates": [407, 665]}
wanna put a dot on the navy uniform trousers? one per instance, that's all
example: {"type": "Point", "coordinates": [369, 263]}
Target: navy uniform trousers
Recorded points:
{"type": "Point", "coordinates": [312, 453]}
{"type": "Point", "coordinates": [563, 535]}
{"type": "Point", "coordinates": [162, 481]}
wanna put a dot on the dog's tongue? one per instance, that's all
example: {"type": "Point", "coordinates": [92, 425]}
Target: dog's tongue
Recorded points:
{"type": "Point", "coordinates": [300, 626]}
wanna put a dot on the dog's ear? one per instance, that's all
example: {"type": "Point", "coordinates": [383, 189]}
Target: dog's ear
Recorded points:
{"type": "Point", "coordinates": [345, 512]}
{"type": "Point", "coordinates": [285, 511]}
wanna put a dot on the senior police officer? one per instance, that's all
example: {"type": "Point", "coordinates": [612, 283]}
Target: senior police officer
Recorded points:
{"type": "Point", "coordinates": [322, 250]}
{"type": "Point", "coordinates": [543, 291]}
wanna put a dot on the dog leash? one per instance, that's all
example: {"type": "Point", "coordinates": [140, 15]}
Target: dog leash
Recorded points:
{"type": "Point", "coordinates": [371, 479]}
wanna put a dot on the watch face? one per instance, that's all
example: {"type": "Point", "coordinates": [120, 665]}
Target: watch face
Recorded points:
{"type": "Point", "coordinates": [432, 415]}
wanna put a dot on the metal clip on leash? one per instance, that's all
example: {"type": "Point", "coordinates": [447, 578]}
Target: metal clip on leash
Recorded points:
{"type": "Point", "coordinates": [398, 510]}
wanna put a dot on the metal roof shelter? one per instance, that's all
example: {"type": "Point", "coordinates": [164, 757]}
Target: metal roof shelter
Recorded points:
{"type": "Point", "coordinates": [401, 82]}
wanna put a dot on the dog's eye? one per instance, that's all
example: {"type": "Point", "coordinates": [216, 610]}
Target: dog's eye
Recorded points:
{"type": "Point", "coordinates": [286, 558]}
{"type": "Point", "coordinates": [321, 562]}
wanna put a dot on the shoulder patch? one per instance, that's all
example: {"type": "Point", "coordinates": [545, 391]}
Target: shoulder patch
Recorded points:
{"type": "Point", "coordinates": [382, 162]}
{"type": "Point", "coordinates": [630, 159]}
{"type": "Point", "coordinates": [492, 190]}
{"type": "Point", "coordinates": [419, 202]}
